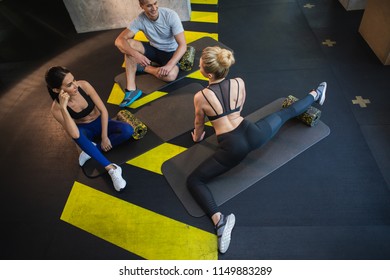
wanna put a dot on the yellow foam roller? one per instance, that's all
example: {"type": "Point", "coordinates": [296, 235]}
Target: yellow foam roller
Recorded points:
{"type": "Point", "coordinates": [139, 127]}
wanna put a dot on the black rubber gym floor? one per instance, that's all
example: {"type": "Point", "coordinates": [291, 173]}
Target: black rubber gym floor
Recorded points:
{"type": "Point", "coordinates": [330, 202]}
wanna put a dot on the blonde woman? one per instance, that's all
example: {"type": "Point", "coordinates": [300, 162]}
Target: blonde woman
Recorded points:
{"type": "Point", "coordinates": [222, 102]}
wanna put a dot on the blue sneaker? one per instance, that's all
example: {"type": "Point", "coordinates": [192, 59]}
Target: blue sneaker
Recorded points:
{"type": "Point", "coordinates": [130, 97]}
{"type": "Point", "coordinates": [140, 69]}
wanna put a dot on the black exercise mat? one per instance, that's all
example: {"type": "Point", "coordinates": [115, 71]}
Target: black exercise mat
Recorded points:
{"type": "Point", "coordinates": [148, 83]}
{"type": "Point", "coordinates": [172, 114]}
{"type": "Point", "coordinates": [292, 139]}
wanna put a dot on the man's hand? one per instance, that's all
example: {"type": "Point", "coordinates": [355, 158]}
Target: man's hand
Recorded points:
{"type": "Point", "coordinates": [142, 60]}
{"type": "Point", "coordinates": [164, 71]}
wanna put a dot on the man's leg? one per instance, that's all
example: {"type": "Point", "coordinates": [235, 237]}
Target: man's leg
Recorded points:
{"type": "Point", "coordinates": [131, 65]}
{"type": "Point", "coordinates": [155, 72]}
{"type": "Point", "coordinates": [161, 58]}
{"type": "Point", "coordinates": [131, 91]}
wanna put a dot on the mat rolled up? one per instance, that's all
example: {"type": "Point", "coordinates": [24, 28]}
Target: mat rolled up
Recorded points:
{"type": "Point", "coordinates": [140, 128]}
{"type": "Point", "coordinates": [310, 117]}
{"type": "Point", "coordinates": [187, 61]}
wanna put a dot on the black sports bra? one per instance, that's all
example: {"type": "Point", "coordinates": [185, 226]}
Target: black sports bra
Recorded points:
{"type": "Point", "coordinates": [222, 92]}
{"type": "Point", "coordinates": [85, 112]}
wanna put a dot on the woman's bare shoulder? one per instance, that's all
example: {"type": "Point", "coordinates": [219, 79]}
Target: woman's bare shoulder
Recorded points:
{"type": "Point", "coordinates": [83, 83]}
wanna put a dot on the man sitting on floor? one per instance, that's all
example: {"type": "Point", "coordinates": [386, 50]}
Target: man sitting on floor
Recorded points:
{"type": "Point", "coordinates": [167, 44]}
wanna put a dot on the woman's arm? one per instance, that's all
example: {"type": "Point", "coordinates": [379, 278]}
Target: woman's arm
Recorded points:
{"type": "Point", "coordinates": [198, 133]}
{"type": "Point", "coordinates": [242, 93]}
{"type": "Point", "coordinates": [90, 90]}
{"type": "Point", "coordinates": [60, 113]}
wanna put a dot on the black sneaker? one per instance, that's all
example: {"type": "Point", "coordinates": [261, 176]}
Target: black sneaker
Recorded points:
{"type": "Point", "coordinates": [224, 229]}
{"type": "Point", "coordinates": [130, 97]}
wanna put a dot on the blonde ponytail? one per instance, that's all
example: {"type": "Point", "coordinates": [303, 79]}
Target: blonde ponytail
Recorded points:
{"type": "Point", "coordinates": [217, 61]}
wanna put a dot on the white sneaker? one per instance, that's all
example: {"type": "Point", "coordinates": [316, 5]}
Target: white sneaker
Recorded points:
{"type": "Point", "coordinates": [321, 91]}
{"type": "Point", "coordinates": [224, 229]}
{"type": "Point", "coordinates": [116, 176]}
{"type": "Point", "coordinates": [84, 157]}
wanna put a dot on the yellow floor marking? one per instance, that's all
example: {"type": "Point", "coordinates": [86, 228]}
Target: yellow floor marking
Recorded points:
{"type": "Point", "coordinates": [329, 43]}
{"type": "Point", "coordinates": [135, 229]}
{"type": "Point", "coordinates": [211, 17]}
{"type": "Point", "coordinates": [148, 98]}
{"type": "Point", "coordinates": [209, 2]}
{"type": "Point", "coordinates": [117, 94]}
{"type": "Point", "coordinates": [361, 101]}
{"type": "Point", "coordinates": [153, 159]}
{"type": "Point", "coordinates": [194, 35]}
{"type": "Point", "coordinates": [197, 75]}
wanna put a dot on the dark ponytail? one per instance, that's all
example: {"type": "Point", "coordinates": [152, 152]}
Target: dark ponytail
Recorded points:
{"type": "Point", "coordinates": [54, 78]}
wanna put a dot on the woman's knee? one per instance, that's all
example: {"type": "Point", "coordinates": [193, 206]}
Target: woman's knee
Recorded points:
{"type": "Point", "coordinates": [127, 131]}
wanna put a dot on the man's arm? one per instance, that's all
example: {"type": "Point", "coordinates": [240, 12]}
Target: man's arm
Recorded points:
{"type": "Point", "coordinates": [181, 49]}
{"type": "Point", "coordinates": [122, 42]}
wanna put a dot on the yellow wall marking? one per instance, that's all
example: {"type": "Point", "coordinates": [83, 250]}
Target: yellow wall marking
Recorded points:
{"type": "Point", "coordinates": [211, 17]}
{"type": "Point", "coordinates": [153, 159]}
{"type": "Point", "coordinates": [135, 229]}
{"type": "Point", "coordinates": [209, 2]}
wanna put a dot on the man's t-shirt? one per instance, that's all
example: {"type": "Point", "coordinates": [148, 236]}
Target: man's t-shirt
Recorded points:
{"type": "Point", "coordinates": [161, 32]}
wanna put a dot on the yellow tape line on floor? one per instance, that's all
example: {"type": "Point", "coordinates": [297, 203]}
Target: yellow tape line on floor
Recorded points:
{"type": "Point", "coordinates": [153, 159]}
{"type": "Point", "coordinates": [135, 229]}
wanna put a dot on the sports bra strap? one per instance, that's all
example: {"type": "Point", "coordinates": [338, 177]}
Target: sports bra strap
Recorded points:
{"type": "Point", "coordinates": [223, 100]}
{"type": "Point", "coordinates": [209, 102]}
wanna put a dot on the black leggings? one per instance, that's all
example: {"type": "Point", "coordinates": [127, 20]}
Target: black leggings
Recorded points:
{"type": "Point", "coordinates": [233, 148]}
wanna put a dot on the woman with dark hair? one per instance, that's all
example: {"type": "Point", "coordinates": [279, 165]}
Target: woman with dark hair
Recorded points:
{"type": "Point", "coordinates": [79, 109]}
{"type": "Point", "coordinates": [222, 102]}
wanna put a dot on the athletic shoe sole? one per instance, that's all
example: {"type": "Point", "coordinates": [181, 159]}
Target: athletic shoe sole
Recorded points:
{"type": "Point", "coordinates": [323, 93]}
{"type": "Point", "coordinates": [226, 234]}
